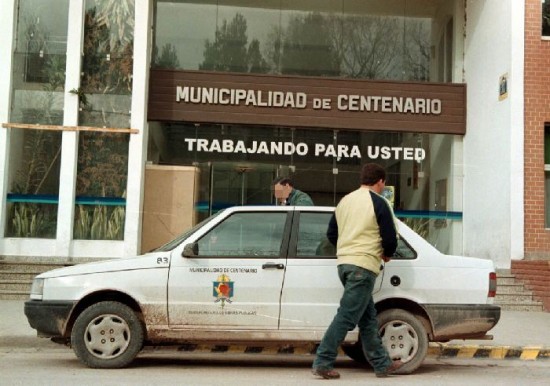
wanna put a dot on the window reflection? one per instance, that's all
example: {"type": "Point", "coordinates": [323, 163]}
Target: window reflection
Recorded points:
{"type": "Point", "coordinates": [312, 239]}
{"type": "Point", "coordinates": [347, 38]}
{"type": "Point", "coordinates": [245, 235]}
{"type": "Point", "coordinates": [105, 100]}
{"type": "Point", "coordinates": [37, 97]}
{"type": "Point", "coordinates": [546, 18]}
{"type": "Point", "coordinates": [106, 83]}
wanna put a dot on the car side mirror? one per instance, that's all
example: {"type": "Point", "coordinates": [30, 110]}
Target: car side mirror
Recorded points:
{"type": "Point", "coordinates": [190, 250]}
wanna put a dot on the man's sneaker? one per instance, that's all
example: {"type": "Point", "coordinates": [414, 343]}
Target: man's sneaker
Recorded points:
{"type": "Point", "coordinates": [391, 369]}
{"type": "Point", "coordinates": [326, 374]}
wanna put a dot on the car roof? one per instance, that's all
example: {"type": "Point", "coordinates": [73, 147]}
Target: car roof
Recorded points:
{"type": "Point", "coordinates": [279, 208]}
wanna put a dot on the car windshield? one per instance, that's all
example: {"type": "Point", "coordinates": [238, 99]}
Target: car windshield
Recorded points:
{"type": "Point", "coordinates": [179, 239]}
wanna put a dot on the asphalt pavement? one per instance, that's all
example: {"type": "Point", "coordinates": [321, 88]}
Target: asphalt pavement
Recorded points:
{"type": "Point", "coordinates": [518, 335]}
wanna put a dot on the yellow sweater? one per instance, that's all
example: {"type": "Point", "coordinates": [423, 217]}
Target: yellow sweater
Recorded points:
{"type": "Point", "coordinates": [366, 229]}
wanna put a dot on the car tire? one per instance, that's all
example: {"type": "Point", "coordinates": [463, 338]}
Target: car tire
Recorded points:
{"type": "Point", "coordinates": [107, 335]}
{"type": "Point", "coordinates": [404, 337]}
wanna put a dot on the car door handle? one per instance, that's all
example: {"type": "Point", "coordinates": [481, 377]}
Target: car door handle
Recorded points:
{"type": "Point", "coordinates": [273, 265]}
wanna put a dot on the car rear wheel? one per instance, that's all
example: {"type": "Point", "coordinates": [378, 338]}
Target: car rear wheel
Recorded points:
{"type": "Point", "coordinates": [107, 335]}
{"type": "Point", "coordinates": [403, 335]}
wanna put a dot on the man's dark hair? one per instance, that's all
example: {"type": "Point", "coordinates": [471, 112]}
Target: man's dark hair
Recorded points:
{"type": "Point", "coordinates": [372, 173]}
{"type": "Point", "coordinates": [282, 181]}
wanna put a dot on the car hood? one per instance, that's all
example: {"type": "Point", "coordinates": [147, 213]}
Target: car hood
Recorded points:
{"type": "Point", "coordinates": [147, 261]}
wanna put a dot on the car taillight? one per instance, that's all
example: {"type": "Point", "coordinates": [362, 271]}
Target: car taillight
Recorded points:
{"type": "Point", "coordinates": [492, 285]}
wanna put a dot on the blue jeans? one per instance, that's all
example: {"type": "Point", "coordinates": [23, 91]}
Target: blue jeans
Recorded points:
{"type": "Point", "coordinates": [356, 309]}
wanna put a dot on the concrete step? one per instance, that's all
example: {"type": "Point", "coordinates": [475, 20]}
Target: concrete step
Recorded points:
{"type": "Point", "coordinates": [16, 285]}
{"type": "Point", "coordinates": [511, 288]}
{"type": "Point", "coordinates": [516, 297]}
{"type": "Point", "coordinates": [505, 280]}
{"type": "Point", "coordinates": [536, 276]}
{"type": "Point", "coordinates": [22, 275]}
{"type": "Point", "coordinates": [14, 295]}
{"type": "Point", "coordinates": [16, 276]}
{"type": "Point", "coordinates": [30, 266]}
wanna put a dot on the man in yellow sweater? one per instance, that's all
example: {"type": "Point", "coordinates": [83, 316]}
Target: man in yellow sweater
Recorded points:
{"type": "Point", "coordinates": [365, 234]}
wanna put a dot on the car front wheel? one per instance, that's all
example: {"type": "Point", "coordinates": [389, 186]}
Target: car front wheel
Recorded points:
{"type": "Point", "coordinates": [107, 335]}
{"type": "Point", "coordinates": [404, 337]}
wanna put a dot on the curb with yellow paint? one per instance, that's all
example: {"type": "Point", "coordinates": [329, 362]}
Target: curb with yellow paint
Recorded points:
{"type": "Point", "coordinates": [435, 350]}
{"type": "Point", "coordinates": [489, 352]}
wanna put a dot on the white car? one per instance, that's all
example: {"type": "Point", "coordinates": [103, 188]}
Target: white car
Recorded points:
{"type": "Point", "coordinates": [258, 275]}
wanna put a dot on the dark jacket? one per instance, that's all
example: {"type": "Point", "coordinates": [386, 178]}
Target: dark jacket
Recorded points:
{"type": "Point", "coordinates": [297, 197]}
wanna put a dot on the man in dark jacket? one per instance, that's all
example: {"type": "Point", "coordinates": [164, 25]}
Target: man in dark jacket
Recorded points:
{"type": "Point", "coordinates": [286, 194]}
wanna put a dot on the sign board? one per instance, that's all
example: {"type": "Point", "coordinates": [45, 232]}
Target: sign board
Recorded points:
{"type": "Point", "coordinates": [292, 101]}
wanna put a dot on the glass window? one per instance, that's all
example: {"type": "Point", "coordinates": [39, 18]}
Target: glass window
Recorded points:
{"type": "Point", "coordinates": [323, 163]}
{"type": "Point", "coordinates": [105, 100]}
{"type": "Point", "coordinates": [102, 173]}
{"type": "Point", "coordinates": [246, 235]}
{"type": "Point", "coordinates": [404, 251]}
{"type": "Point", "coordinates": [38, 82]}
{"type": "Point", "coordinates": [343, 38]}
{"type": "Point", "coordinates": [106, 84]}
{"type": "Point", "coordinates": [312, 239]}
{"type": "Point", "coordinates": [547, 173]}
{"type": "Point", "coordinates": [546, 18]}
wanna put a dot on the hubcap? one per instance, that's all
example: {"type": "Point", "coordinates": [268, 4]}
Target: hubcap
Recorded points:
{"type": "Point", "coordinates": [107, 336]}
{"type": "Point", "coordinates": [400, 339]}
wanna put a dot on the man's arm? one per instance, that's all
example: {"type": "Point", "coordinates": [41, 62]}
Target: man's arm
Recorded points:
{"type": "Point", "coordinates": [384, 217]}
{"type": "Point", "coordinates": [332, 231]}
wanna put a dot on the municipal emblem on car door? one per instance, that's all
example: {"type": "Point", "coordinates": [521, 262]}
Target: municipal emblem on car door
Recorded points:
{"type": "Point", "coordinates": [223, 289]}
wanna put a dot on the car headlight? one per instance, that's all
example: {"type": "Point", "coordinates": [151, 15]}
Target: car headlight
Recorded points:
{"type": "Point", "coordinates": [37, 288]}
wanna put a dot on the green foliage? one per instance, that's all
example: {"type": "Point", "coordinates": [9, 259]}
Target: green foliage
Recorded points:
{"type": "Point", "coordinates": [99, 222]}
{"type": "Point", "coordinates": [419, 225]}
{"type": "Point", "coordinates": [307, 47]}
{"type": "Point", "coordinates": [27, 220]}
{"type": "Point", "coordinates": [31, 220]}
{"type": "Point", "coordinates": [102, 164]}
{"type": "Point", "coordinates": [108, 47]}
{"type": "Point", "coordinates": [103, 157]}
{"type": "Point", "coordinates": [54, 72]}
{"type": "Point", "coordinates": [317, 44]}
{"type": "Point", "coordinates": [82, 98]}
{"type": "Point", "coordinates": [39, 167]}
{"type": "Point", "coordinates": [168, 57]}
{"type": "Point", "coordinates": [256, 62]}
{"type": "Point", "coordinates": [229, 52]}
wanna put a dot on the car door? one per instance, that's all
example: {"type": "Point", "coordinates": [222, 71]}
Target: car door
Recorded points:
{"type": "Point", "coordinates": [236, 278]}
{"type": "Point", "coordinates": [312, 289]}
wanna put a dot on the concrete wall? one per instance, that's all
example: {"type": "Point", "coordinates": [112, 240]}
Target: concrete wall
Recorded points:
{"type": "Point", "coordinates": [493, 145]}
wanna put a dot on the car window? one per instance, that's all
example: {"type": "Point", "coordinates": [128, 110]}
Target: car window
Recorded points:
{"type": "Point", "coordinates": [245, 234]}
{"type": "Point", "coordinates": [312, 239]}
{"type": "Point", "coordinates": [404, 250]}
{"type": "Point", "coordinates": [180, 238]}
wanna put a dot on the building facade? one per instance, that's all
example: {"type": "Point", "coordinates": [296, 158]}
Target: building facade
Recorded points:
{"type": "Point", "coordinates": [537, 129]}
{"type": "Point", "coordinates": [125, 122]}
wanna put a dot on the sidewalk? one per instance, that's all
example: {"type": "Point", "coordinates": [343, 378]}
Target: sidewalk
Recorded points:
{"type": "Point", "coordinates": [518, 335]}
{"type": "Point", "coordinates": [525, 334]}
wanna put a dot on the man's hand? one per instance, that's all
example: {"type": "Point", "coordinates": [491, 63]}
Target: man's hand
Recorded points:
{"type": "Point", "coordinates": [386, 259]}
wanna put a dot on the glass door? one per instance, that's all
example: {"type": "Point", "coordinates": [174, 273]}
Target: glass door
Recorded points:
{"type": "Point", "coordinates": [236, 183]}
